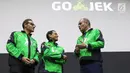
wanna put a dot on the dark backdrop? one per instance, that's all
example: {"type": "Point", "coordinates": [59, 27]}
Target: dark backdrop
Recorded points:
{"type": "Point", "coordinates": [114, 62]}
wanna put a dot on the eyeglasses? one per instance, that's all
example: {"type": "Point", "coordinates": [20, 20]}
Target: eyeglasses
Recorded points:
{"type": "Point", "coordinates": [31, 23]}
{"type": "Point", "coordinates": [82, 23]}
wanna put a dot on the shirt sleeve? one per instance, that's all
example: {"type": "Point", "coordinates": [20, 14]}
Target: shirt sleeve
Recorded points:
{"type": "Point", "coordinates": [11, 46]}
{"type": "Point", "coordinates": [99, 43]}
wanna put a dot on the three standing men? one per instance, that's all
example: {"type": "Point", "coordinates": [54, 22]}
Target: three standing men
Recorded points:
{"type": "Point", "coordinates": [23, 53]}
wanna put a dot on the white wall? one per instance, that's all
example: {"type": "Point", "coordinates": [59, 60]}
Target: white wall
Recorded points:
{"type": "Point", "coordinates": [114, 25]}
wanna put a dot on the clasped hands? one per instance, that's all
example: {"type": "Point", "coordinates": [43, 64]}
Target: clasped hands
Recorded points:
{"type": "Point", "coordinates": [80, 46]}
{"type": "Point", "coordinates": [28, 61]}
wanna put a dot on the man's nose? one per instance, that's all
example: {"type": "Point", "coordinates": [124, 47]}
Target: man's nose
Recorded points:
{"type": "Point", "coordinates": [57, 36]}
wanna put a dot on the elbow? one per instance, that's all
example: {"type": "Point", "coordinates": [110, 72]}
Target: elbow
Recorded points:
{"type": "Point", "coordinates": [102, 45]}
{"type": "Point", "coordinates": [7, 48]}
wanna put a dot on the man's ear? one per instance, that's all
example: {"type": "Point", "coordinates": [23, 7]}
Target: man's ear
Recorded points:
{"type": "Point", "coordinates": [25, 25]}
{"type": "Point", "coordinates": [50, 36]}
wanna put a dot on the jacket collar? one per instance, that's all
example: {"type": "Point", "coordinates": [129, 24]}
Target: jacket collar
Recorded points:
{"type": "Point", "coordinates": [53, 43]}
{"type": "Point", "coordinates": [88, 31]}
{"type": "Point", "coordinates": [25, 32]}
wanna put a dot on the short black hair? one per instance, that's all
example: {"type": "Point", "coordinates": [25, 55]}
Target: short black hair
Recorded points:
{"type": "Point", "coordinates": [49, 33]}
{"type": "Point", "coordinates": [25, 22]}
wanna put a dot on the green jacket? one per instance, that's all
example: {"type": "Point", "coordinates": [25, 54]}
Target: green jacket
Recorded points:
{"type": "Point", "coordinates": [94, 39]}
{"type": "Point", "coordinates": [21, 45]}
{"type": "Point", "coordinates": [53, 57]}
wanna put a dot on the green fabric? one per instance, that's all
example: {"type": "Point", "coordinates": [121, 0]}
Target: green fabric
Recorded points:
{"type": "Point", "coordinates": [19, 46]}
{"type": "Point", "coordinates": [91, 39]}
{"type": "Point", "coordinates": [56, 53]}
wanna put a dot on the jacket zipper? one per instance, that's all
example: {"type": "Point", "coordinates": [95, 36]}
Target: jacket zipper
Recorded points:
{"type": "Point", "coordinates": [29, 48]}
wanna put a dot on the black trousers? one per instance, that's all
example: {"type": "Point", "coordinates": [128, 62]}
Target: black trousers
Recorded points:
{"type": "Point", "coordinates": [17, 66]}
{"type": "Point", "coordinates": [41, 68]}
{"type": "Point", "coordinates": [21, 69]}
{"type": "Point", "coordinates": [95, 67]}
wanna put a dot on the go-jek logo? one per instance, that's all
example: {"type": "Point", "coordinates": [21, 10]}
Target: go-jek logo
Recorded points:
{"type": "Point", "coordinates": [81, 6]}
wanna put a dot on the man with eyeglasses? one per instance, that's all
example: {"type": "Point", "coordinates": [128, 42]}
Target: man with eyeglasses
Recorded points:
{"type": "Point", "coordinates": [22, 49]}
{"type": "Point", "coordinates": [88, 48]}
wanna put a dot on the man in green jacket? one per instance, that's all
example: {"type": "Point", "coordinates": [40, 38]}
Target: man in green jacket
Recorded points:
{"type": "Point", "coordinates": [88, 48]}
{"type": "Point", "coordinates": [53, 54]}
{"type": "Point", "coordinates": [22, 49]}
